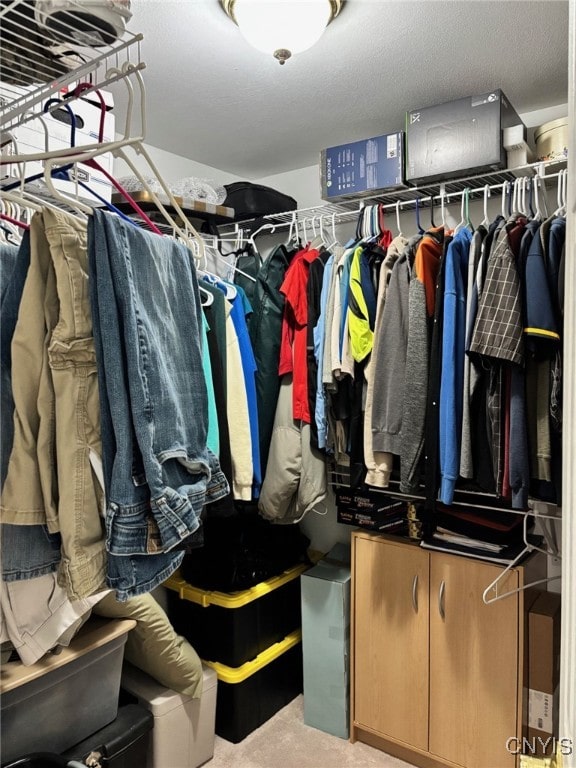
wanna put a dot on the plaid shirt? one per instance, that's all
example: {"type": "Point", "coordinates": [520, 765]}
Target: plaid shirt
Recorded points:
{"type": "Point", "coordinates": [498, 331]}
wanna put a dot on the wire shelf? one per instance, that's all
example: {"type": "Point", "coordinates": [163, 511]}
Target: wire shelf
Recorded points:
{"type": "Point", "coordinates": [407, 199]}
{"type": "Point", "coordinates": [339, 477]}
{"type": "Point", "coordinates": [41, 59]}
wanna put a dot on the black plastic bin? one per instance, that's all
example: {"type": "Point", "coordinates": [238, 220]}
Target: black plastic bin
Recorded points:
{"type": "Point", "coordinates": [122, 744]}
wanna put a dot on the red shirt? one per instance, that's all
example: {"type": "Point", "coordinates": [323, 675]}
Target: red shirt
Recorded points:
{"type": "Point", "coordinates": [293, 356]}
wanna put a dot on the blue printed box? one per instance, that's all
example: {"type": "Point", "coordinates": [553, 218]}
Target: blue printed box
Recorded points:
{"type": "Point", "coordinates": [363, 168]}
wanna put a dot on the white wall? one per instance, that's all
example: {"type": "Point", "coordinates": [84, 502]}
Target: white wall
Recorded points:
{"type": "Point", "coordinates": [174, 167]}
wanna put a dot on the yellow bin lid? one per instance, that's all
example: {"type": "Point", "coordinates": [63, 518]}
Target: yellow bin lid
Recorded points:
{"type": "Point", "coordinates": [232, 599]}
{"type": "Point", "coordinates": [239, 674]}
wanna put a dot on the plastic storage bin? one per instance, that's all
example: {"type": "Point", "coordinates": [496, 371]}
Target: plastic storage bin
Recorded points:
{"type": "Point", "coordinates": [250, 695]}
{"type": "Point", "coordinates": [234, 628]}
{"type": "Point", "coordinates": [183, 734]}
{"type": "Point", "coordinates": [38, 760]}
{"type": "Point", "coordinates": [65, 697]}
{"type": "Point", "coordinates": [121, 744]}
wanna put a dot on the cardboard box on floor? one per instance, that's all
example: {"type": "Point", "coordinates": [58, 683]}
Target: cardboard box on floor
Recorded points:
{"type": "Point", "coordinates": [326, 642]}
{"type": "Point", "coordinates": [543, 673]}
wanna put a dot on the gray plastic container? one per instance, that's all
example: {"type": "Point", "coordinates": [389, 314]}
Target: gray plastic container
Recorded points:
{"type": "Point", "coordinates": [61, 700]}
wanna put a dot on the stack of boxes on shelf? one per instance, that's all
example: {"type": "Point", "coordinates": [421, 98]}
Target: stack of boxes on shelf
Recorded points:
{"type": "Point", "coordinates": [478, 134]}
{"type": "Point", "coordinates": [53, 131]}
{"type": "Point", "coordinates": [251, 639]}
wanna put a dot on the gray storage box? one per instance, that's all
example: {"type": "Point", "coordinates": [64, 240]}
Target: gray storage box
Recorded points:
{"type": "Point", "coordinates": [326, 642]}
{"type": "Point", "coordinates": [459, 138]}
{"type": "Point", "coordinates": [183, 733]}
{"type": "Point", "coordinates": [65, 697]}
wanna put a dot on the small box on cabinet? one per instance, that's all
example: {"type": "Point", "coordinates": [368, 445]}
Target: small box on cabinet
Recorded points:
{"type": "Point", "coordinates": [326, 642]}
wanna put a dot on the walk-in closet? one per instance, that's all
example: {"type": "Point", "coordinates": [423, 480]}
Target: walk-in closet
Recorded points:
{"type": "Point", "coordinates": [287, 358]}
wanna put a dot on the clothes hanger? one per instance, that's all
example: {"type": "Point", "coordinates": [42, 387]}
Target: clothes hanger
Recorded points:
{"type": "Point", "coordinates": [505, 188]}
{"type": "Point", "coordinates": [334, 241]}
{"type": "Point", "coordinates": [530, 197]}
{"type": "Point", "coordinates": [207, 298]}
{"type": "Point", "coordinates": [487, 193]}
{"type": "Point", "coordinates": [15, 222]}
{"type": "Point", "coordinates": [317, 241]}
{"type": "Point", "coordinates": [529, 547]}
{"type": "Point", "coordinates": [464, 212]}
{"type": "Point", "coordinates": [398, 226]}
{"type": "Point", "coordinates": [215, 252]}
{"type": "Point", "coordinates": [418, 225]}
{"type": "Point", "coordinates": [562, 193]}
{"type": "Point", "coordinates": [50, 171]}
{"type": "Point", "coordinates": [536, 186]}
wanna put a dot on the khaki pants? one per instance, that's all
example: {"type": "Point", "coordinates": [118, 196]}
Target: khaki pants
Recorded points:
{"type": "Point", "coordinates": [53, 470]}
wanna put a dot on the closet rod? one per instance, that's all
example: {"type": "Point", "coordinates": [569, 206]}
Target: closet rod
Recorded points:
{"type": "Point", "coordinates": [287, 218]}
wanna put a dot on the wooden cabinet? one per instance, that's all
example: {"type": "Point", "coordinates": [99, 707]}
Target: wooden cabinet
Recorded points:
{"type": "Point", "coordinates": [436, 673]}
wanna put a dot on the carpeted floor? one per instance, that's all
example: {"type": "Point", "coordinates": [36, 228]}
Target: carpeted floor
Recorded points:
{"type": "Point", "coordinates": [285, 742]}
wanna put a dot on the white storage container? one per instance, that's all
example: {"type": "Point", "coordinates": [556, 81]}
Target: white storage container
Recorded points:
{"type": "Point", "coordinates": [65, 697]}
{"type": "Point", "coordinates": [552, 140]}
{"type": "Point", "coordinates": [183, 733]}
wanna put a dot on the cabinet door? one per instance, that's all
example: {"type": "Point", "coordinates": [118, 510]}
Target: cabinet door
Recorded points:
{"type": "Point", "coordinates": [473, 664]}
{"type": "Point", "coordinates": [391, 588]}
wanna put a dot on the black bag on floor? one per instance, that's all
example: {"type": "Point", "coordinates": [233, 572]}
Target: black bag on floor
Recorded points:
{"type": "Point", "coordinates": [253, 200]}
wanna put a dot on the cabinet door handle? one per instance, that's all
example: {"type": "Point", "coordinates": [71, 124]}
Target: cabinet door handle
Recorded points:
{"type": "Point", "coordinates": [441, 591]}
{"type": "Point", "coordinates": [415, 593]}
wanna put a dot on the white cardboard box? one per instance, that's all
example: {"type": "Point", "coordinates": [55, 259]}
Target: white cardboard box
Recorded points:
{"type": "Point", "coordinates": [30, 138]}
{"type": "Point", "coordinates": [326, 642]}
{"type": "Point", "coordinates": [184, 728]}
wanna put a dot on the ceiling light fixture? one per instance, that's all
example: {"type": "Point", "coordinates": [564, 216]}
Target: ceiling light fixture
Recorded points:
{"type": "Point", "coordinates": [282, 27]}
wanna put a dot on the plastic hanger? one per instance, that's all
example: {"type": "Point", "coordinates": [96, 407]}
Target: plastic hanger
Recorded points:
{"type": "Point", "coordinates": [561, 193]}
{"type": "Point", "coordinates": [530, 186]}
{"type": "Point", "coordinates": [505, 188]}
{"type": "Point", "coordinates": [207, 298]}
{"type": "Point", "coordinates": [398, 226]}
{"type": "Point", "coordinates": [464, 211]}
{"type": "Point", "coordinates": [529, 547]}
{"type": "Point", "coordinates": [419, 227]}
{"type": "Point", "coordinates": [432, 224]}
{"type": "Point", "coordinates": [487, 193]}
{"type": "Point", "coordinates": [50, 171]}
{"type": "Point", "coordinates": [536, 186]}
{"type": "Point", "coordinates": [15, 222]}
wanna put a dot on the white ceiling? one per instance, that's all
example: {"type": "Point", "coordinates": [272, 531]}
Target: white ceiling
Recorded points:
{"type": "Point", "coordinates": [213, 98]}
